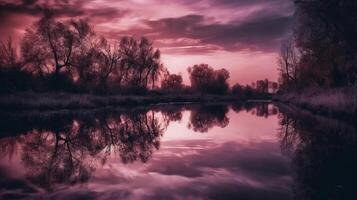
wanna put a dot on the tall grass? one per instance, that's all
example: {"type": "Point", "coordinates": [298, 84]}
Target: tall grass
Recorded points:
{"type": "Point", "coordinates": [326, 101]}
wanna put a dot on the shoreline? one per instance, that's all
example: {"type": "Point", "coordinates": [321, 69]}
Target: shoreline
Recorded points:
{"type": "Point", "coordinates": [335, 103]}
{"type": "Point", "coordinates": [65, 101]}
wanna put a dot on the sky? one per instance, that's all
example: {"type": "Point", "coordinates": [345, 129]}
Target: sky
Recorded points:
{"type": "Point", "coordinates": [242, 36]}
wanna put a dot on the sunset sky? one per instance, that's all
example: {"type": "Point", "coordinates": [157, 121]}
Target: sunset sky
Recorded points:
{"type": "Point", "coordinates": [242, 36]}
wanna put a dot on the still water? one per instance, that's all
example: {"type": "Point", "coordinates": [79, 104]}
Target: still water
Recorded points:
{"type": "Point", "coordinates": [250, 151]}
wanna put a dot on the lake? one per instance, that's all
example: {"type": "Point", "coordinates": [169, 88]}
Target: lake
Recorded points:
{"type": "Point", "coordinates": [213, 151]}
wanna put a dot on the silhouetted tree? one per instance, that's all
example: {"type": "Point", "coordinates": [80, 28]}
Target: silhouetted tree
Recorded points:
{"type": "Point", "coordinates": [12, 75]}
{"type": "Point", "coordinates": [207, 80]}
{"type": "Point", "coordinates": [49, 47]}
{"type": "Point", "coordinates": [172, 82]}
{"type": "Point", "coordinates": [288, 63]}
{"type": "Point", "coordinates": [274, 87]}
{"type": "Point", "coordinates": [324, 37]}
{"type": "Point", "coordinates": [108, 62]}
{"type": "Point", "coordinates": [52, 43]}
{"type": "Point", "coordinates": [8, 56]}
{"type": "Point", "coordinates": [248, 90]}
{"type": "Point", "coordinates": [139, 62]}
{"type": "Point", "coordinates": [237, 89]}
{"type": "Point", "coordinates": [262, 86]}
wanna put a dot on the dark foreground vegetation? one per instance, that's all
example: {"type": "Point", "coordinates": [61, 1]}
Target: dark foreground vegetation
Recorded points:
{"type": "Point", "coordinates": [318, 62]}
{"type": "Point", "coordinates": [65, 64]}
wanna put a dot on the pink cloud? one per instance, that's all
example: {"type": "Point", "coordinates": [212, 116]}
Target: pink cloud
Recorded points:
{"type": "Point", "coordinates": [242, 36]}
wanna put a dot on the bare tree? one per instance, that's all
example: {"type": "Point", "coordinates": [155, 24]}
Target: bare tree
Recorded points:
{"type": "Point", "coordinates": [49, 46]}
{"type": "Point", "coordinates": [139, 62]}
{"type": "Point", "coordinates": [108, 62]}
{"type": "Point", "coordinates": [288, 62]}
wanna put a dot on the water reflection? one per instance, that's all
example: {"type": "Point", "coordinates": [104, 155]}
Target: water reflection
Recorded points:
{"type": "Point", "coordinates": [249, 151]}
{"type": "Point", "coordinates": [203, 118]}
{"type": "Point", "coordinates": [324, 155]}
{"type": "Point", "coordinates": [71, 153]}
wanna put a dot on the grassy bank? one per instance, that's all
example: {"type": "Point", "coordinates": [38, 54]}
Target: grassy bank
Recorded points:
{"type": "Point", "coordinates": [340, 102]}
{"type": "Point", "coordinates": [55, 101]}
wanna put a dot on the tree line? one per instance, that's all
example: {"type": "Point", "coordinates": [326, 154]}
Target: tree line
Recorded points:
{"type": "Point", "coordinates": [321, 52]}
{"type": "Point", "coordinates": [67, 55]}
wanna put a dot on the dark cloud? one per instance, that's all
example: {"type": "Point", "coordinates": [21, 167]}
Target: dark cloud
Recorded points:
{"type": "Point", "coordinates": [105, 14]}
{"type": "Point", "coordinates": [258, 34]}
{"type": "Point", "coordinates": [260, 29]}
{"type": "Point", "coordinates": [22, 8]}
{"type": "Point", "coordinates": [249, 2]}
{"type": "Point", "coordinates": [29, 2]}
{"type": "Point", "coordinates": [60, 8]}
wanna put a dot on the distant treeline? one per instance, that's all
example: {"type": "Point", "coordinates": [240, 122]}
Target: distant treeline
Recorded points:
{"type": "Point", "coordinates": [322, 51]}
{"type": "Point", "coordinates": [67, 56]}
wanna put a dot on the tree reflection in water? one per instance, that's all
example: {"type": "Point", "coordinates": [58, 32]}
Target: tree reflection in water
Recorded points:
{"type": "Point", "coordinates": [71, 153]}
{"type": "Point", "coordinates": [262, 109]}
{"type": "Point", "coordinates": [203, 118]}
{"type": "Point", "coordinates": [67, 149]}
{"type": "Point", "coordinates": [324, 154]}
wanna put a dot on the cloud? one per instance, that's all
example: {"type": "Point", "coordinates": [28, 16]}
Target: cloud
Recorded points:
{"type": "Point", "coordinates": [258, 166]}
{"type": "Point", "coordinates": [258, 26]}
{"type": "Point", "coordinates": [216, 171]}
{"type": "Point", "coordinates": [198, 35]}
{"type": "Point", "coordinates": [35, 8]}
{"type": "Point", "coordinates": [201, 29]}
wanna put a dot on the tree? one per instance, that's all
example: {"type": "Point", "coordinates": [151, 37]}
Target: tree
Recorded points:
{"type": "Point", "coordinates": [248, 90]}
{"type": "Point", "coordinates": [237, 89]}
{"type": "Point", "coordinates": [262, 86]}
{"type": "Point", "coordinates": [50, 45]}
{"type": "Point", "coordinates": [221, 85]}
{"type": "Point", "coordinates": [207, 80]}
{"type": "Point", "coordinates": [325, 32]}
{"type": "Point", "coordinates": [139, 62]}
{"type": "Point", "coordinates": [8, 56]}
{"type": "Point", "coordinates": [274, 87]}
{"type": "Point", "coordinates": [66, 54]}
{"type": "Point", "coordinates": [172, 82]}
{"type": "Point", "coordinates": [12, 76]}
{"type": "Point", "coordinates": [200, 77]}
{"type": "Point", "coordinates": [288, 63]}
{"type": "Point", "coordinates": [108, 60]}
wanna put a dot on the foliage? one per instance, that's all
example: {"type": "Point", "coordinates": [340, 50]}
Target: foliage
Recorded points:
{"type": "Point", "coordinates": [322, 51]}
{"type": "Point", "coordinates": [172, 82]}
{"type": "Point", "coordinates": [207, 80]}
{"type": "Point", "coordinates": [67, 55]}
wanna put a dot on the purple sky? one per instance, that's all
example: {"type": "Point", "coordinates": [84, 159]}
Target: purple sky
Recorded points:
{"type": "Point", "coordinates": [242, 36]}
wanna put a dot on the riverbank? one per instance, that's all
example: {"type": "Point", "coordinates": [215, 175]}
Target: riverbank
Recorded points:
{"type": "Point", "coordinates": [337, 102]}
{"type": "Point", "coordinates": [57, 101]}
